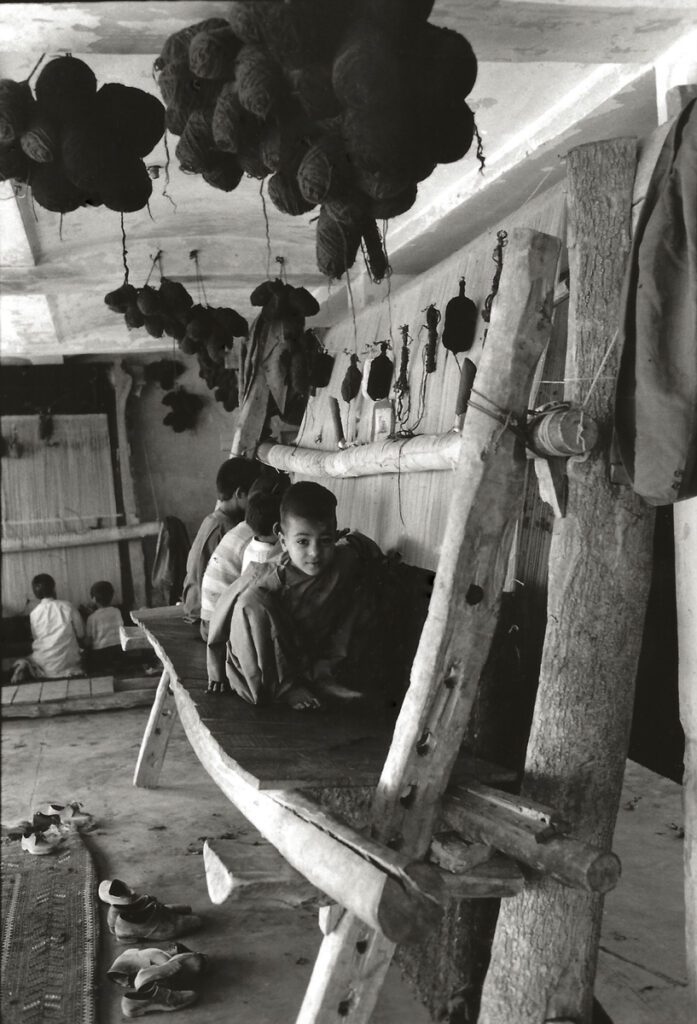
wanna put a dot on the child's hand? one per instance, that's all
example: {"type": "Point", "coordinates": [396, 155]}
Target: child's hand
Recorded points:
{"type": "Point", "coordinates": [299, 698]}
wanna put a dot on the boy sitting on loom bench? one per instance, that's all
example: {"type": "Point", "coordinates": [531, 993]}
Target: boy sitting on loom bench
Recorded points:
{"type": "Point", "coordinates": [290, 629]}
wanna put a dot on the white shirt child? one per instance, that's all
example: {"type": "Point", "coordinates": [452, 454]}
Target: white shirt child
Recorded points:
{"type": "Point", "coordinates": [103, 628]}
{"type": "Point", "coordinates": [260, 551]}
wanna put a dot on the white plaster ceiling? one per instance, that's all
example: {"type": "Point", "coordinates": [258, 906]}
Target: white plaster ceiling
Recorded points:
{"type": "Point", "coordinates": [552, 74]}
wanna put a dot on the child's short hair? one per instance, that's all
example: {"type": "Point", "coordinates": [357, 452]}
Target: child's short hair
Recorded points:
{"type": "Point", "coordinates": [263, 512]}
{"type": "Point", "coordinates": [102, 592]}
{"type": "Point", "coordinates": [308, 500]}
{"type": "Point", "coordinates": [43, 585]}
{"type": "Point", "coordinates": [236, 473]}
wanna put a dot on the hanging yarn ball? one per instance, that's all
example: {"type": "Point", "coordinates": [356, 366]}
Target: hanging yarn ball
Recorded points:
{"type": "Point", "coordinates": [231, 324]}
{"type": "Point", "coordinates": [259, 79]}
{"type": "Point", "coordinates": [184, 93]}
{"type": "Point", "coordinates": [251, 160]}
{"type": "Point", "coordinates": [284, 192]}
{"type": "Point", "coordinates": [52, 189]}
{"type": "Point", "coordinates": [185, 408]}
{"type": "Point", "coordinates": [121, 298]}
{"type": "Point", "coordinates": [336, 243]}
{"type": "Point", "coordinates": [321, 362]}
{"type": "Point", "coordinates": [397, 16]}
{"type": "Point", "coordinates": [247, 21]}
{"type": "Point", "coordinates": [378, 265]}
{"type": "Point", "coordinates": [14, 162]}
{"type": "Point", "coordinates": [66, 89]}
{"type": "Point", "coordinates": [460, 322]}
{"type": "Point", "coordinates": [133, 317]}
{"type": "Point", "coordinates": [196, 150]}
{"type": "Point", "coordinates": [324, 170]}
{"type": "Point", "coordinates": [176, 46]}
{"type": "Point", "coordinates": [173, 328]}
{"type": "Point", "coordinates": [89, 156]}
{"type": "Point", "coordinates": [450, 133]}
{"type": "Point", "coordinates": [447, 67]}
{"type": "Point", "coordinates": [200, 323]}
{"type": "Point", "coordinates": [188, 345]}
{"type": "Point", "coordinates": [126, 188]}
{"type": "Point", "coordinates": [212, 53]}
{"type": "Point", "coordinates": [40, 140]}
{"type": "Point", "coordinates": [135, 119]}
{"type": "Point", "coordinates": [16, 104]}
{"type": "Point", "coordinates": [149, 301]}
{"type": "Point", "coordinates": [263, 292]}
{"type": "Point", "coordinates": [351, 384]}
{"type": "Point", "coordinates": [380, 374]}
{"type": "Point", "coordinates": [226, 172]}
{"type": "Point", "coordinates": [227, 119]}
{"type": "Point", "coordinates": [284, 142]}
{"type": "Point", "coordinates": [174, 298]}
{"type": "Point", "coordinates": [299, 373]}
{"type": "Point", "coordinates": [379, 185]}
{"type": "Point", "coordinates": [154, 325]}
{"type": "Point", "coordinates": [393, 206]}
{"type": "Point", "coordinates": [164, 372]}
{"type": "Point", "coordinates": [381, 140]}
{"type": "Point", "coordinates": [366, 71]}
{"type": "Point", "coordinates": [302, 302]}
{"type": "Point", "coordinates": [312, 85]}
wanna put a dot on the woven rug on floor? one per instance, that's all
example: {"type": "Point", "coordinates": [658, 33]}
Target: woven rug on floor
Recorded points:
{"type": "Point", "coordinates": [49, 934]}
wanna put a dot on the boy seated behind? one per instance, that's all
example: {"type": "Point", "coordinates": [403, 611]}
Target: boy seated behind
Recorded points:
{"type": "Point", "coordinates": [262, 516]}
{"type": "Point", "coordinates": [286, 629]}
{"type": "Point", "coordinates": [226, 563]}
{"type": "Point", "coordinates": [56, 628]}
{"type": "Point", "coordinates": [234, 479]}
{"type": "Point", "coordinates": [103, 627]}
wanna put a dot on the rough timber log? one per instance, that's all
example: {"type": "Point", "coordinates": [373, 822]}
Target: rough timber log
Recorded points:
{"type": "Point", "coordinates": [545, 948]}
{"type": "Point", "coordinates": [353, 958]}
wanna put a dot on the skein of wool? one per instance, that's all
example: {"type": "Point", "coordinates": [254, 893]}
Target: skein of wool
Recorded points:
{"type": "Point", "coordinates": [16, 103]}
{"type": "Point", "coordinates": [351, 384]}
{"type": "Point", "coordinates": [226, 172]}
{"type": "Point", "coordinates": [212, 53]}
{"type": "Point", "coordinates": [380, 374]}
{"type": "Point", "coordinates": [378, 265]}
{"type": "Point", "coordinates": [136, 119]}
{"type": "Point", "coordinates": [324, 170]}
{"type": "Point", "coordinates": [14, 162]}
{"type": "Point", "coordinates": [121, 298]}
{"type": "Point", "coordinates": [53, 189]}
{"type": "Point", "coordinates": [40, 140]}
{"type": "Point", "coordinates": [66, 89]}
{"type": "Point", "coordinates": [176, 47]}
{"type": "Point", "coordinates": [259, 80]}
{"type": "Point", "coordinates": [337, 243]}
{"type": "Point", "coordinates": [196, 151]}
{"type": "Point", "coordinates": [460, 322]}
{"type": "Point", "coordinates": [127, 187]}
{"type": "Point", "coordinates": [284, 192]}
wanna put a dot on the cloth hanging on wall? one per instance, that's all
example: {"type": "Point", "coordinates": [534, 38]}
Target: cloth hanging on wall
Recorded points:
{"type": "Point", "coordinates": [656, 402]}
{"type": "Point", "coordinates": [169, 565]}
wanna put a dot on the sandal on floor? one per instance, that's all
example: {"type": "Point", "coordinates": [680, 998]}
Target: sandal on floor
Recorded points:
{"type": "Point", "coordinates": [154, 999]}
{"type": "Point", "coordinates": [119, 895]}
{"type": "Point", "coordinates": [155, 922]}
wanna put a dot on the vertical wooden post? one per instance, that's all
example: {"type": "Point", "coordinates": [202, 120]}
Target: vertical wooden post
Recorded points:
{"type": "Point", "coordinates": [545, 948]}
{"type": "Point", "coordinates": [461, 620]}
{"type": "Point", "coordinates": [685, 513]}
{"type": "Point", "coordinates": [121, 383]}
{"type": "Point", "coordinates": [156, 736]}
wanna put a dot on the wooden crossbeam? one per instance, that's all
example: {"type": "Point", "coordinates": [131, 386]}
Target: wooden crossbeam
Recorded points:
{"type": "Point", "coordinates": [353, 958]}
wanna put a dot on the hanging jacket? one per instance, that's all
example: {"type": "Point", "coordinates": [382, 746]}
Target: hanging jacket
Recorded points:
{"type": "Point", "coordinates": [656, 401]}
{"type": "Point", "coordinates": [169, 565]}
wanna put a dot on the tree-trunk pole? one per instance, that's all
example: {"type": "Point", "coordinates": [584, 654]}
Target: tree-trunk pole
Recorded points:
{"type": "Point", "coordinates": [545, 949]}
{"type": "Point", "coordinates": [686, 599]}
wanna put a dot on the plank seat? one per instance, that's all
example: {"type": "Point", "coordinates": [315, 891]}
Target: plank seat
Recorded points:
{"type": "Point", "coordinates": [274, 747]}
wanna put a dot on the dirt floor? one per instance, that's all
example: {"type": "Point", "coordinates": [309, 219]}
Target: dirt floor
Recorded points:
{"type": "Point", "coordinates": [261, 960]}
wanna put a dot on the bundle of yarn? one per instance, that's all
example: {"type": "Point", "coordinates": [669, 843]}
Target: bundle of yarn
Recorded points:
{"type": "Point", "coordinates": [345, 105]}
{"type": "Point", "coordinates": [77, 145]}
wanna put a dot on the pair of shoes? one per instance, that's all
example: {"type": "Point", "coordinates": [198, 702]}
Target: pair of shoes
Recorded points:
{"type": "Point", "coordinates": [149, 920]}
{"type": "Point", "coordinates": [71, 816]}
{"type": "Point", "coordinates": [121, 897]}
{"type": "Point", "coordinates": [40, 842]}
{"type": "Point", "coordinates": [158, 979]}
{"type": "Point", "coordinates": [156, 999]}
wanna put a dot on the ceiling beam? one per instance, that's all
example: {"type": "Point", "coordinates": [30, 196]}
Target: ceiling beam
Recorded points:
{"type": "Point", "coordinates": [594, 32]}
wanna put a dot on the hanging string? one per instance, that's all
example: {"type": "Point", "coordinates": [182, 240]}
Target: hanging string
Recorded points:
{"type": "Point", "coordinates": [353, 311]}
{"type": "Point", "coordinates": [124, 252]}
{"type": "Point", "coordinates": [385, 225]}
{"type": "Point", "coordinates": [600, 368]}
{"type": "Point", "coordinates": [266, 228]}
{"type": "Point", "coordinates": [60, 227]}
{"type": "Point", "coordinates": [201, 288]}
{"type": "Point", "coordinates": [281, 260]}
{"type": "Point", "coordinates": [35, 68]}
{"type": "Point", "coordinates": [401, 385]}
{"type": "Point", "coordinates": [480, 148]}
{"type": "Point", "coordinates": [168, 159]}
{"type": "Point", "coordinates": [421, 407]}
{"type": "Point", "coordinates": [155, 260]}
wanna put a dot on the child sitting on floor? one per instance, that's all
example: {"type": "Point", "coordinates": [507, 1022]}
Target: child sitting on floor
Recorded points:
{"type": "Point", "coordinates": [262, 516]}
{"type": "Point", "coordinates": [56, 628]}
{"type": "Point", "coordinates": [227, 562]}
{"type": "Point", "coordinates": [288, 627]}
{"type": "Point", "coordinates": [102, 630]}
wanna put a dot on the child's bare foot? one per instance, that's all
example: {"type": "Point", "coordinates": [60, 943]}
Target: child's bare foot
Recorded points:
{"type": "Point", "coordinates": [333, 689]}
{"type": "Point", "coordinates": [301, 699]}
